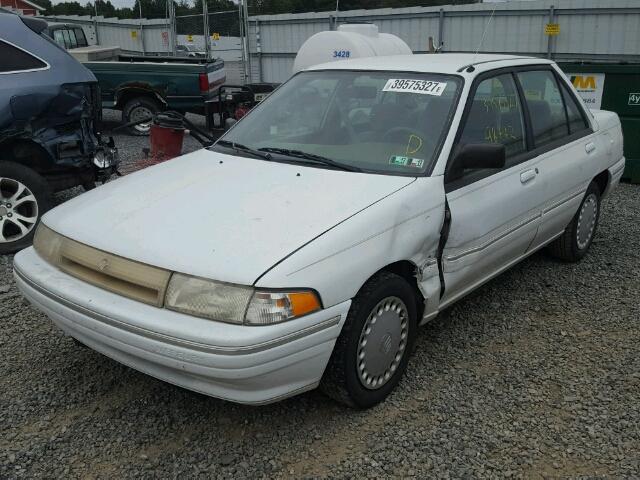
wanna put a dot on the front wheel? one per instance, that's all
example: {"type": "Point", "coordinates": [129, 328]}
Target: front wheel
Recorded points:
{"type": "Point", "coordinates": [24, 197]}
{"type": "Point", "coordinates": [574, 243]}
{"type": "Point", "coordinates": [372, 351]}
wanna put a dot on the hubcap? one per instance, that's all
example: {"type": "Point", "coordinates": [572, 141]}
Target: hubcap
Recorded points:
{"type": "Point", "coordinates": [140, 113]}
{"type": "Point", "coordinates": [587, 221]}
{"type": "Point", "coordinates": [18, 210]}
{"type": "Point", "coordinates": [382, 342]}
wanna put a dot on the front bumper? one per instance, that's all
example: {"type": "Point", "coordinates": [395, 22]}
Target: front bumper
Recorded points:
{"type": "Point", "coordinates": [251, 365]}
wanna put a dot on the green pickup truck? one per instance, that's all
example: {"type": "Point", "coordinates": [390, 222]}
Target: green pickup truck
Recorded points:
{"type": "Point", "coordinates": [138, 85]}
{"type": "Point", "coordinates": [141, 86]}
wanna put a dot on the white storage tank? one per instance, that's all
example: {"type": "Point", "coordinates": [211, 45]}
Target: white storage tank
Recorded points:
{"type": "Point", "coordinates": [351, 40]}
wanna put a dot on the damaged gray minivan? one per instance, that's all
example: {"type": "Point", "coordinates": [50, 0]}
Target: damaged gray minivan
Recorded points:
{"type": "Point", "coordinates": [50, 115]}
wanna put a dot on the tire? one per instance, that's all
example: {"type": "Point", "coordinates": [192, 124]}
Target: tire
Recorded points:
{"type": "Point", "coordinates": [344, 379]}
{"type": "Point", "coordinates": [139, 108]}
{"type": "Point", "coordinates": [577, 238]}
{"type": "Point", "coordinates": [18, 221]}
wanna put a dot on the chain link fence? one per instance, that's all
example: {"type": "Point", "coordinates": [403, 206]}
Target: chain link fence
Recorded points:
{"type": "Point", "coordinates": [190, 29]}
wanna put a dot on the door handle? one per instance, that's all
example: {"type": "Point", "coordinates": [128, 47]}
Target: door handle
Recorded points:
{"type": "Point", "coordinates": [590, 147]}
{"type": "Point", "coordinates": [527, 176]}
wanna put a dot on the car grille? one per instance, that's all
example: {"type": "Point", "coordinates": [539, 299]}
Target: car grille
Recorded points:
{"type": "Point", "coordinates": [116, 274]}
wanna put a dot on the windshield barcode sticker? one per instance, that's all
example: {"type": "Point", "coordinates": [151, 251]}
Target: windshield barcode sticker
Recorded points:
{"type": "Point", "coordinates": [424, 87]}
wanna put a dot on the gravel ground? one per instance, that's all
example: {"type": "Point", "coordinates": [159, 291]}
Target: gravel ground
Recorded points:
{"type": "Point", "coordinates": [535, 375]}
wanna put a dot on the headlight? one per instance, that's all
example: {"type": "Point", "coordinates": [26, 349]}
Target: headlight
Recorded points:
{"type": "Point", "coordinates": [235, 303]}
{"type": "Point", "coordinates": [207, 298]}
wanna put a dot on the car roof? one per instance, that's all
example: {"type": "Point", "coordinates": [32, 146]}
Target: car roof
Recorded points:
{"type": "Point", "coordinates": [448, 63]}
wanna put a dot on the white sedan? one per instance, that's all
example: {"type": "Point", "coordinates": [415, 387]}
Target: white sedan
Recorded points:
{"type": "Point", "coordinates": [305, 248]}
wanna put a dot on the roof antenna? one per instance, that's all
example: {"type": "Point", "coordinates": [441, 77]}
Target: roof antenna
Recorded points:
{"type": "Point", "coordinates": [484, 33]}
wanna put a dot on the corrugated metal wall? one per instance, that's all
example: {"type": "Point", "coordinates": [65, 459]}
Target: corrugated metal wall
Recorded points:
{"type": "Point", "coordinates": [589, 29]}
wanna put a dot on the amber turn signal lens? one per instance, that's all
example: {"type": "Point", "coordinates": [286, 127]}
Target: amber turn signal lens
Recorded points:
{"type": "Point", "coordinates": [303, 303]}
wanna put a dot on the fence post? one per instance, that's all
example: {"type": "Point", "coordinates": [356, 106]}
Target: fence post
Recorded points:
{"type": "Point", "coordinates": [205, 24]}
{"type": "Point", "coordinates": [172, 27]}
{"type": "Point", "coordinates": [95, 29]}
{"type": "Point", "coordinates": [550, 45]}
{"type": "Point", "coordinates": [440, 30]}
{"type": "Point", "coordinates": [245, 26]}
{"type": "Point", "coordinates": [259, 51]}
{"type": "Point", "coordinates": [333, 22]}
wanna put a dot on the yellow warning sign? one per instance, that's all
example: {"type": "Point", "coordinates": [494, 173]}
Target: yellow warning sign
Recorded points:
{"type": "Point", "coordinates": [552, 29]}
{"type": "Point", "coordinates": [215, 36]}
{"type": "Point", "coordinates": [134, 34]}
{"type": "Point", "coordinates": [190, 38]}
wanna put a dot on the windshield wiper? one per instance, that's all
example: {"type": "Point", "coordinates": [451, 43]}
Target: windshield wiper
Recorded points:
{"type": "Point", "coordinates": [311, 156]}
{"type": "Point", "coordinates": [243, 148]}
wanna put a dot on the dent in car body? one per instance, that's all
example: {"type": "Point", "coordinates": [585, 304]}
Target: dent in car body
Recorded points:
{"type": "Point", "coordinates": [60, 120]}
{"type": "Point", "coordinates": [363, 245]}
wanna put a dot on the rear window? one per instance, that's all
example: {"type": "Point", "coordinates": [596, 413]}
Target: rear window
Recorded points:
{"type": "Point", "coordinates": [15, 59]}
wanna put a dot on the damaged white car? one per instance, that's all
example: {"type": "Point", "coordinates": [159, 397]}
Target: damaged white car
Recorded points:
{"type": "Point", "coordinates": [305, 248]}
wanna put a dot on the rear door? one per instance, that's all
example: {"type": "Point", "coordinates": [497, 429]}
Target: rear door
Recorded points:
{"type": "Point", "coordinates": [495, 213]}
{"type": "Point", "coordinates": [564, 145]}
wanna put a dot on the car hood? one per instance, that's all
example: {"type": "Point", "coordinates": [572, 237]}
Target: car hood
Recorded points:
{"type": "Point", "coordinates": [217, 216]}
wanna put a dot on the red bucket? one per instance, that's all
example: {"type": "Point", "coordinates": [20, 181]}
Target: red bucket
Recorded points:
{"type": "Point", "coordinates": [166, 137]}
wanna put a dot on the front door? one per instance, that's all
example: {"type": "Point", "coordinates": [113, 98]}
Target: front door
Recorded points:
{"type": "Point", "coordinates": [495, 213]}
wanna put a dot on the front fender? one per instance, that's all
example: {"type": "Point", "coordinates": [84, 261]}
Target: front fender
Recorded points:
{"type": "Point", "coordinates": [403, 226]}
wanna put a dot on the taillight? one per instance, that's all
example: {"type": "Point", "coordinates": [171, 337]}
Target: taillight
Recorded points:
{"type": "Point", "coordinates": [204, 83]}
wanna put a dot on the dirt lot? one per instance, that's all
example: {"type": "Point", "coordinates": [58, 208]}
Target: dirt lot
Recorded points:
{"type": "Point", "coordinates": [535, 375]}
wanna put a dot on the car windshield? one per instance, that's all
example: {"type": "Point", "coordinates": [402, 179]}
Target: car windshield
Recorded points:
{"type": "Point", "coordinates": [380, 122]}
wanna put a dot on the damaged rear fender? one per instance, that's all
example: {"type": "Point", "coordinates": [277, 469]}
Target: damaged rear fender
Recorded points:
{"type": "Point", "coordinates": [56, 124]}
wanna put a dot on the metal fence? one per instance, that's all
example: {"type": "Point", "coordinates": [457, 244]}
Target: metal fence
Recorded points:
{"type": "Point", "coordinates": [589, 30]}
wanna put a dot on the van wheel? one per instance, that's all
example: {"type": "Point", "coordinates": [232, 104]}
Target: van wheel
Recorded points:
{"type": "Point", "coordinates": [139, 108]}
{"type": "Point", "coordinates": [372, 351]}
{"type": "Point", "coordinates": [24, 197]}
{"type": "Point", "coordinates": [574, 243]}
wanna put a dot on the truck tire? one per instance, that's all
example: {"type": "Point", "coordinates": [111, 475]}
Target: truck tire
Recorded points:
{"type": "Point", "coordinates": [373, 349]}
{"type": "Point", "coordinates": [24, 197]}
{"type": "Point", "coordinates": [137, 109]}
{"type": "Point", "coordinates": [576, 239]}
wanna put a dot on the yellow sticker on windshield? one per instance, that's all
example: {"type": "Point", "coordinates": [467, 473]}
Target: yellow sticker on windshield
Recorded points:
{"type": "Point", "coordinates": [401, 161]}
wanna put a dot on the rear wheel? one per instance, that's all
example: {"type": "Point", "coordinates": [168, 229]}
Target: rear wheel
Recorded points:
{"type": "Point", "coordinates": [372, 351]}
{"type": "Point", "coordinates": [24, 197]}
{"type": "Point", "coordinates": [574, 243]}
{"type": "Point", "coordinates": [138, 109]}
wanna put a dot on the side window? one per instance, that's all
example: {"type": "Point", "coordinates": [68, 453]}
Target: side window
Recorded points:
{"type": "Point", "coordinates": [577, 122]}
{"type": "Point", "coordinates": [67, 40]}
{"type": "Point", "coordinates": [15, 60]}
{"type": "Point", "coordinates": [546, 106]}
{"type": "Point", "coordinates": [496, 116]}
{"type": "Point", "coordinates": [80, 37]}
{"type": "Point", "coordinates": [59, 38]}
{"type": "Point", "coordinates": [72, 39]}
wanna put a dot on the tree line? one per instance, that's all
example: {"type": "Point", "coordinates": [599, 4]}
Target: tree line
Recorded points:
{"type": "Point", "coordinates": [158, 8]}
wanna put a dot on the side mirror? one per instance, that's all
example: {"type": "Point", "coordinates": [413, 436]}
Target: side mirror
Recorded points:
{"type": "Point", "coordinates": [477, 156]}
